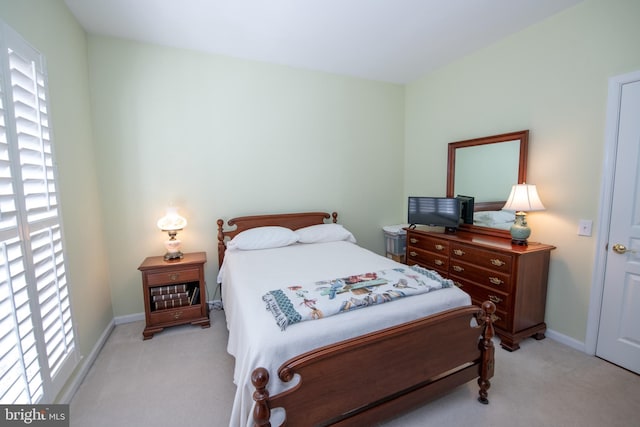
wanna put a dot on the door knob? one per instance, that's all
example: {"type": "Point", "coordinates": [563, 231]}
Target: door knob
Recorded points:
{"type": "Point", "coordinates": [621, 249]}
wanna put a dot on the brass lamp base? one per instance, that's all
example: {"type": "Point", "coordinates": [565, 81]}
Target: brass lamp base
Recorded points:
{"type": "Point", "coordinates": [173, 256]}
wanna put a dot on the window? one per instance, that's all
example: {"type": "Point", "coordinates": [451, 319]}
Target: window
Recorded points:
{"type": "Point", "coordinates": [37, 344]}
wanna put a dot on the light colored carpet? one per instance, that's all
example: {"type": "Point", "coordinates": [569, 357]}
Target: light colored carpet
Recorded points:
{"type": "Point", "coordinates": [183, 378]}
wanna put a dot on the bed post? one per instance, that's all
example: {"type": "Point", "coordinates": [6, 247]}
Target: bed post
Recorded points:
{"type": "Point", "coordinates": [261, 411]}
{"type": "Point", "coordinates": [221, 247]}
{"type": "Point", "coordinates": [487, 349]}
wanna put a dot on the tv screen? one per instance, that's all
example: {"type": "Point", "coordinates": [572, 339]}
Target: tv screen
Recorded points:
{"type": "Point", "coordinates": [466, 206]}
{"type": "Point", "coordinates": [434, 211]}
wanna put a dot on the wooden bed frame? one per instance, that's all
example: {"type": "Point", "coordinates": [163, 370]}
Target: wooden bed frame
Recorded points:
{"type": "Point", "coordinates": [376, 376]}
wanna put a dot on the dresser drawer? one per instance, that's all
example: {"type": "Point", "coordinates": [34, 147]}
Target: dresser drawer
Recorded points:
{"type": "Point", "coordinates": [428, 243]}
{"type": "Point", "coordinates": [175, 314]}
{"type": "Point", "coordinates": [173, 277]}
{"type": "Point", "coordinates": [490, 278]}
{"type": "Point", "coordinates": [481, 294]}
{"type": "Point", "coordinates": [484, 258]}
{"type": "Point", "coordinates": [427, 259]}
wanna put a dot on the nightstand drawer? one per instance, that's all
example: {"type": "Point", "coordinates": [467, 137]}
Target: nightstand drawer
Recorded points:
{"type": "Point", "coordinates": [482, 276]}
{"type": "Point", "coordinates": [173, 277]}
{"type": "Point", "coordinates": [172, 315]}
{"type": "Point", "coordinates": [484, 258]}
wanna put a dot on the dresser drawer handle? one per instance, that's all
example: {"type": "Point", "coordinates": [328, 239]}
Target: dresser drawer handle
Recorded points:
{"type": "Point", "coordinates": [458, 252]}
{"type": "Point", "coordinates": [438, 262]}
{"type": "Point", "coordinates": [413, 240]}
{"type": "Point", "coordinates": [174, 276]}
{"type": "Point", "coordinates": [177, 315]}
{"type": "Point", "coordinates": [439, 247]}
{"type": "Point", "coordinates": [412, 253]}
{"type": "Point", "coordinates": [495, 299]}
{"type": "Point", "coordinates": [458, 284]}
{"type": "Point", "coordinates": [458, 268]}
{"type": "Point", "coordinates": [497, 262]}
{"type": "Point", "coordinates": [495, 318]}
{"type": "Point", "coordinates": [495, 281]}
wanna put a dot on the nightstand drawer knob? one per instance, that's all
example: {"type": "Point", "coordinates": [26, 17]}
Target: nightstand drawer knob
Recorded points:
{"type": "Point", "coordinates": [458, 252]}
{"type": "Point", "coordinates": [174, 276]}
{"type": "Point", "coordinates": [497, 262]}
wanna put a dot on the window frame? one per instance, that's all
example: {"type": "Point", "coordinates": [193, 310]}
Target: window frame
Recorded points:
{"type": "Point", "coordinates": [38, 235]}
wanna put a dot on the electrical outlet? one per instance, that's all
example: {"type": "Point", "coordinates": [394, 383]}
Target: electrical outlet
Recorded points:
{"type": "Point", "coordinates": [584, 227]}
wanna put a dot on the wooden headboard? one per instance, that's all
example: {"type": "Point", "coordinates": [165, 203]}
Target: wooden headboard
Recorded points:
{"type": "Point", "coordinates": [293, 221]}
{"type": "Point", "coordinates": [489, 206]}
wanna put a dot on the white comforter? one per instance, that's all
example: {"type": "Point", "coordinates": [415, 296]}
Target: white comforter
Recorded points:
{"type": "Point", "coordinates": [256, 340]}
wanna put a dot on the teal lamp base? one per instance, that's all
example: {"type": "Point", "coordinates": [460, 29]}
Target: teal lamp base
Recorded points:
{"type": "Point", "coordinates": [520, 231]}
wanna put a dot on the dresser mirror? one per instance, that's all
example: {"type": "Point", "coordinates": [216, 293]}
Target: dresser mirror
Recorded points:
{"type": "Point", "coordinates": [485, 169]}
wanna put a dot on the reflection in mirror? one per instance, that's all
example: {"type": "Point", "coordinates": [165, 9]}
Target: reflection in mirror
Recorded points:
{"type": "Point", "coordinates": [487, 172]}
{"type": "Point", "coordinates": [485, 169]}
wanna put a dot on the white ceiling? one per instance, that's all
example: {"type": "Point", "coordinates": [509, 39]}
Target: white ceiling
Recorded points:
{"type": "Point", "coordinates": [389, 40]}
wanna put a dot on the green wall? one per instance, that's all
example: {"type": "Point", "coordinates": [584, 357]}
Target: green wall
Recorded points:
{"type": "Point", "coordinates": [551, 79]}
{"type": "Point", "coordinates": [221, 137]}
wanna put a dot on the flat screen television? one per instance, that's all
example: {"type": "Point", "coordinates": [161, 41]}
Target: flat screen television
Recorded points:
{"type": "Point", "coordinates": [434, 211]}
{"type": "Point", "coordinates": [466, 208]}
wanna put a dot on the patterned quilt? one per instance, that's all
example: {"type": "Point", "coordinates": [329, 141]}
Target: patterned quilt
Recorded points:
{"type": "Point", "coordinates": [297, 303]}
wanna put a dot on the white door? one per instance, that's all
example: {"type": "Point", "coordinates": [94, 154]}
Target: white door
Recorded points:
{"type": "Point", "coordinates": [619, 332]}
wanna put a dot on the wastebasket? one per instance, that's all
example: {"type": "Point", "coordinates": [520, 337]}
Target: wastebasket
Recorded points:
{"type": "Point", "coordinates": [395, 241]}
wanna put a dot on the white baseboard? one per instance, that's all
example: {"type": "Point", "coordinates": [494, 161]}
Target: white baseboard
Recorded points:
{"type": "Point", "coordinates": [566, 340]}
{"type": "Point", "coordinates": [135, 317]}
{"type": "Point", "coordinates": [85, 365]}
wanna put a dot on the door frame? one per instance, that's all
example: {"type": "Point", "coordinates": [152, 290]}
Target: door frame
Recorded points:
{"type": "Point", "coordinates": [606, 199]}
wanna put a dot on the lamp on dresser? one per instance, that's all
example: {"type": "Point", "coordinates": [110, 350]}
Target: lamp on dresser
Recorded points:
{"type": "Point", "coordinates": [523, 198]}
{"type": "Point", "coordinates": [172, 223]}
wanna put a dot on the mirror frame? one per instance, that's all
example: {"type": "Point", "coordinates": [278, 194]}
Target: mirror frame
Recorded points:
{"type": "Point", "coordinates": [523, 137]}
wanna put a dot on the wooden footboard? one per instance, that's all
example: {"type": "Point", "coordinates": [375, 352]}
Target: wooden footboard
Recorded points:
{"type": "Point", "coordinates": [366, 379]}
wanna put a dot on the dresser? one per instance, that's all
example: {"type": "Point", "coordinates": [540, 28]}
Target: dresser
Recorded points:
{"type": "Point", "coordinates": [490, 268]}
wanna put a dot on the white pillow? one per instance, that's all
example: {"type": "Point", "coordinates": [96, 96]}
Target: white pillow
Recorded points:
{"type": "Point", "coordinates": [262, 238]}
{"type": "Point", "coordinates": [324, 233]}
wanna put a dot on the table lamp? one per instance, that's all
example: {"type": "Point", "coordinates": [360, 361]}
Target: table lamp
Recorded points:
{"type": "Point", "coordinates": [523, 198]}
{"type": "Point", "coordinates": [172, 223]}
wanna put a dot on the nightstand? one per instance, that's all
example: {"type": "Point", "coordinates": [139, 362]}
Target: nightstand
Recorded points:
{"type": "Point", "coordinates": [174, 292]}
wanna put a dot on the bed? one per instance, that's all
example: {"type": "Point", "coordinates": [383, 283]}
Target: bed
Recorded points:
{"type": "Point", "coordinates": [355, 368]}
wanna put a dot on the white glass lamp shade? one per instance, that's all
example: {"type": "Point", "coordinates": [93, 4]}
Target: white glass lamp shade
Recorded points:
{"type": "Point", "coordinates": [523, 198]}
{"type": "Point", "coordinates": [172, 223]}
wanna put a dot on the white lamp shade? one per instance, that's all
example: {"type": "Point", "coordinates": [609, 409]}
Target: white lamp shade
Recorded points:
{"type": "Point", "coordinates": [172, 221]}
{"type": "Point", "coordinates": [524, 198]}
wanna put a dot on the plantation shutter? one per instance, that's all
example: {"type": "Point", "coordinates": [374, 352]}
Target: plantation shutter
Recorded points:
{"type": "Point", "coordinates": [37, 345]}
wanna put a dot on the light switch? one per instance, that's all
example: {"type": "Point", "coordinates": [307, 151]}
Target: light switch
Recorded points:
{"type": "Point", "coordinates": [584, 227]}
